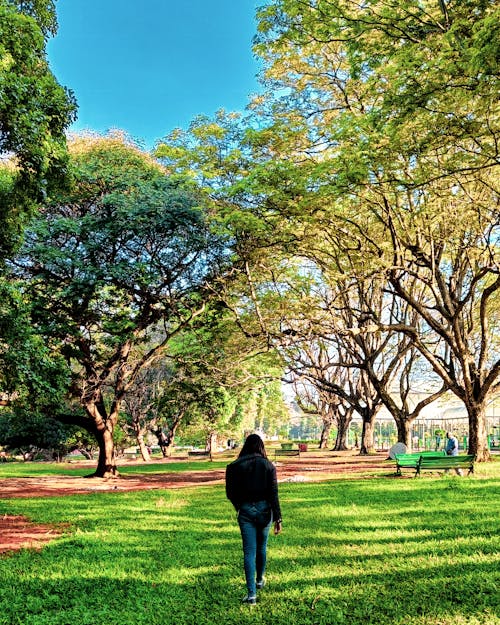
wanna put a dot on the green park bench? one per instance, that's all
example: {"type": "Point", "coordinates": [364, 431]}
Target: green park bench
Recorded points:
{"type": "Point", "coordinates": [428, 463]}
{"type": "Point", "coordinates": [410, 461]}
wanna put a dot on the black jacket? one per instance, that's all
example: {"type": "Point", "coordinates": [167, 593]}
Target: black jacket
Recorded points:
{"type": "Point", "coordinates": [253, 478]}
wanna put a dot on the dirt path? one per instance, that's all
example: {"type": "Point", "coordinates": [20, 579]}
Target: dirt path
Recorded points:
{"type": "Point", "coordinates": [17, 532]}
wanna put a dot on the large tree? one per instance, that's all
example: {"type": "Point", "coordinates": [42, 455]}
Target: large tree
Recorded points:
{"type": "Point", "coordinates": [34, 113]}
{"type": "Point", "coordinates": [125, 251]}
{"type": "Point", "coordinates": [392, 110]}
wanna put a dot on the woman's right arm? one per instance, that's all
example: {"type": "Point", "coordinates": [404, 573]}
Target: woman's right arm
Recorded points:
{"type": "Point", "coordinates": [274, 498]}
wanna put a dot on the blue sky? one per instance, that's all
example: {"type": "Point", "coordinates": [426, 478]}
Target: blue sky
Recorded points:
{"type": "Point", "coordinates": [150, 66]}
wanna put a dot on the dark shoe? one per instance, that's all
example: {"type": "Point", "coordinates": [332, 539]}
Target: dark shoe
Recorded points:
{"type": "Point", "coordinates": [260, 584]}
{"type": "Point", "coordinates": [250, 600]}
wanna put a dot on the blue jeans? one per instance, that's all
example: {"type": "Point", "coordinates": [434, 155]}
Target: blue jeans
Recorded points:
{"type": "Point", "coordinates": [254, 520]}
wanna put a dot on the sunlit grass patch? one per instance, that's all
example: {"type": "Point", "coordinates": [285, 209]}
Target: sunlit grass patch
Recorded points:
{"type": "Point", "coordinates": [383, 552]}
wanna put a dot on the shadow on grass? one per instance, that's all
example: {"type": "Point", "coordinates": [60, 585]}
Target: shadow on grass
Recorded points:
{"type": "Point", "coordinates": [351, 552]}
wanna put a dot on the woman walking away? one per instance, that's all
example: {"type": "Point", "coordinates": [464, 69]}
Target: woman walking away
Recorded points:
{"type": "Point", "coordinates": [252, 488]}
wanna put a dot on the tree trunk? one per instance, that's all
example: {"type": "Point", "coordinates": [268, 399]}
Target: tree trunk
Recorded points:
{"type": "Point", "coordinates": [367, 443]}
{"type": "Point", "coordinates": [166, 441]}
{"type": "Point", "coordinates": [171, 434]}
{"type": "Point", "coordinates": [106, 465]}
{"type": "Point", "coordinates": [163, 441]}
{"type": "Point", "coordinates": [404, 430]}
{"type": "Point", "coordinates": [343, 422]}
{"type": "Point", "coordinates": [86, 454]}
{"type": "Point", "coordinates": [325, 433]}
{"type": "Point", "coordinates": [478, 439]}
{"type": "Point", "coordinates": [143, 447]}
{"type": "Point", "coordinates": [211, 443]}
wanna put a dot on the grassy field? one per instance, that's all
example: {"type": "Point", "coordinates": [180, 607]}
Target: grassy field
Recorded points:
{"type": "Point", "coordinates": [39, 469]}
{"type": "Point", "coordinates": [375, 551]}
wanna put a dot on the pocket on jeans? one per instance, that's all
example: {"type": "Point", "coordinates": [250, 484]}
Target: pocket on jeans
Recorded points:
{"type": "Point", "coordinates": [265, 516]}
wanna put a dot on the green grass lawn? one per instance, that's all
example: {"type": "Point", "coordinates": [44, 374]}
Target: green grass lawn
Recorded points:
{"type": "Point", "coordinates": [375, 551]}
{"type": "Point", "coordinates": [39, 469]}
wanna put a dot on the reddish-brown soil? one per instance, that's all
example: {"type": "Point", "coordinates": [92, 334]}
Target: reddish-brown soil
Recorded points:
{"type": "Point", "coordinates": [17, 532]}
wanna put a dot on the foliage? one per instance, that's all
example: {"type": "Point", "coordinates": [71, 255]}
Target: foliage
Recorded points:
{"type": "Point", "coordinates": [230, 160]}
{"type": "Point", "coordinates": [25, 431]}
{"type": "Point", "coordinates": [34, 113]}
{"type": "Point", "coordinates": [223, 380]}
{"type": "Point", "coordinates": [34, 377]}
{"type": "Point", "coordinates": [124, 248]}
{"type": "Point", "coordinates": [352, 551]}
{"type": "Point", "coordinates": [42, 11]}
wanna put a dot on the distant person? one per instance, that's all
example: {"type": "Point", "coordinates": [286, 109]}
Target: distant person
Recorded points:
{"type": "Point", "coordinates": [451, 445]}
{"type": "Point", "coordinates": [252, 488]}
{"type": "Point", "coordinates": [452, 449]}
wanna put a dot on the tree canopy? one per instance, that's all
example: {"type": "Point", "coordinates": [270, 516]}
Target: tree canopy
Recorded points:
{"type": "Point", "coordinates": [35, 111]}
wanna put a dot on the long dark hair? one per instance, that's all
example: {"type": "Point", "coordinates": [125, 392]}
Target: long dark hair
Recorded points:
{"type": "Point", "coordinates": [253, 445]}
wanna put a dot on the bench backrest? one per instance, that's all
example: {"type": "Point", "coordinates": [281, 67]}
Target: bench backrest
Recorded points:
{"type": "Point", "coordinates": [416, 457]}
{"type": "Point", "coordinates": [433, 453]}
{"type": "Point", "coordinates": [407, 457]}
{"type": "Point", "coordinates": [463, 460]}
